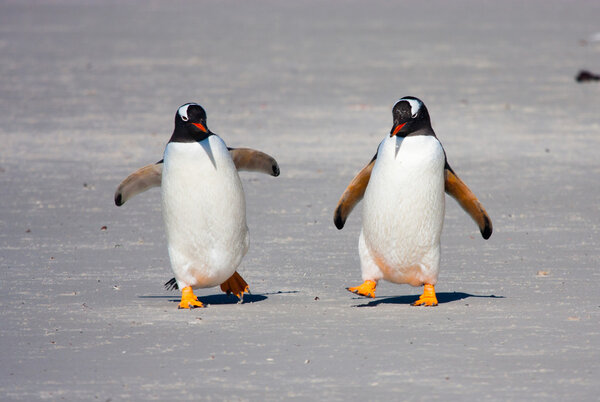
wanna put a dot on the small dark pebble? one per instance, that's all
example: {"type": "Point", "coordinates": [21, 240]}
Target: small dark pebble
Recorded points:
{"type": "Point", "coordinates": [28, 231]}
{"type": "Point", "coordinates": [585, 76]}
{"type": "Point", "coordinates": [317, 298]}
{"type": "Point", "coordinates": [103, 228]}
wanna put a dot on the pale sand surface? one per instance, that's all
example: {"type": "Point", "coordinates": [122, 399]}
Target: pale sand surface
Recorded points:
{"type": "Point", "coordinates": [88, 91]}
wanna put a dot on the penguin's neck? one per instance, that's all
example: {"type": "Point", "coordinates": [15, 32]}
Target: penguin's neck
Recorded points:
{"type": "Point", "coordinates": [188, 136]}
{"type": "Point", "coordinates": [426, 131]}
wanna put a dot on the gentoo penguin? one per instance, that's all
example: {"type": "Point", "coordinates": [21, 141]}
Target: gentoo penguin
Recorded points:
{"type": "Point", "coordinates": [403, 213]}
{"type": "Point", "coordinates": [203, 204]}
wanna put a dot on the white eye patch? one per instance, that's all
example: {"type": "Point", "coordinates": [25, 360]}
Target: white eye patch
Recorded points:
{"type": "Point", "coordinates": [182, 111]}
{"type": "Point", "coordinates": [415, 105]}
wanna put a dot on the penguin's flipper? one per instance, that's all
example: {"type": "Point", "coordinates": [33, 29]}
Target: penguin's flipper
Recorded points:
{"type": "Point", "coordinates": [236, 285]}
{"type": "Point", "coordinates": [458, 190]}
{"type": "Point", "coordinates": [353, 194]}
{"type": "Point", "coordinates": [251, 160]}
{"type": "Point", "coordinates": [151, 175]}
{"type": "Point", "coordinates": [139, 181]}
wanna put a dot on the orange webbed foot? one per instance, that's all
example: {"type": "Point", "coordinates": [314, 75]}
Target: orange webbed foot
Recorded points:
{"type": "Point", "coordinates": [428, 297]}
{"type": "Point", "coordinates": [189, 299]}
{"type": "Point", "coordinates": [236, 285]}
{"type": "Point", "coordinates": [367, 289]}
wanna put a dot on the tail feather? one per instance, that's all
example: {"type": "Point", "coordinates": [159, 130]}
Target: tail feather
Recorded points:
{"type": "Point", "coordinates": [171, 284]}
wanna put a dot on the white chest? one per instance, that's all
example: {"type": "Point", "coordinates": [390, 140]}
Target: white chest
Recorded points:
{"type": "Point", "coordinates": [204, 208]}
{"type": "Point", "coordinates": [199, 177]}
{"type": "Point", "coordinates": [403, 209]}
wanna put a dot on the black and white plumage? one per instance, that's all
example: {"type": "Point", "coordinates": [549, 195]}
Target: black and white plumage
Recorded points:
{"type": "Point", "coordinates": [203, 203]}
{"type": "Point", "coordinates": [404, 204]}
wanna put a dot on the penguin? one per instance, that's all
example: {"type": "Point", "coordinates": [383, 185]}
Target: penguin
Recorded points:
{"type": "Point", "coordinates": [203, 204]}
{"type": "Point", "coordinates": [402, 189]}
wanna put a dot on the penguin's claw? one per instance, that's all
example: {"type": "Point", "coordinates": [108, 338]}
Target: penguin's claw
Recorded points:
{"type": "Point", "coordinates": [367, 289]}
{"type": "Point", "coordinates": [189, 299]}
{"type": "Point", "coordinates": [428, 297]}
{"type": "Point", "coordinates": [236, 285]}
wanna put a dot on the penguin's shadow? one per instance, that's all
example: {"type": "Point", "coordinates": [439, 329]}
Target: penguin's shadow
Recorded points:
{"type": "Point", "coordinates": [216, 299]}
{"type": "Point", "coordinates": [231, 299]}
{"type": "Point", "coordinates": [443, 297]}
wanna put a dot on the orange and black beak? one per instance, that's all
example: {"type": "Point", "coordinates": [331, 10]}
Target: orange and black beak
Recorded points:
{"type": "Point", "coordinates": [396, 129]}
{"type": "Point", "coordinates": [200, 127]}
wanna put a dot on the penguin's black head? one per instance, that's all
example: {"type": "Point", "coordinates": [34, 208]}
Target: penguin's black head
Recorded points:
{"type": "Point", "coordinates": [190, 124]}
{"type": "Point", "coordinates": [410, 115]}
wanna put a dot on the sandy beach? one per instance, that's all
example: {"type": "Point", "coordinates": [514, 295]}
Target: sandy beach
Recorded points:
{"type": "Point", "coordinates": [88, 93]}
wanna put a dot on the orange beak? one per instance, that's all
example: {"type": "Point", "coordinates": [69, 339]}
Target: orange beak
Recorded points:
{"type": "Point", "coordinates": [397, 129]}
{"type": "Point", "coordinates": [201, 127]}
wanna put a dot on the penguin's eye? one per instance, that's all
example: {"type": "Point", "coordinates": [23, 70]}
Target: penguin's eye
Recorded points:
{"type": "Point", "coordinates": [414, 114]}
{"type": "Point", "coordinates": [184, 118]}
